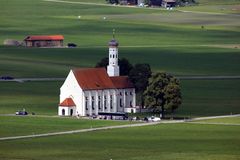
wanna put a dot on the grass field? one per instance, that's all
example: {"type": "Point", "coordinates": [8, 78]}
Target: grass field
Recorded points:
{"type": "Point", "coordinates": [25, 125]}
{"type": "Point", "coordinates": [228, 120]}
{"type": "Point", "coordinates": [200, 97]}
{"type": "Point", "coordinates": [203, 41]}
{"type": "Point", "coordinates": [181, 60]}
{"type": "Point", "coordinates": [165, 141]}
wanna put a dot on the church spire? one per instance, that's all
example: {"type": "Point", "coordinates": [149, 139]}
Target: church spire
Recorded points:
{"type": "Point", "coordinates": [113, 68]}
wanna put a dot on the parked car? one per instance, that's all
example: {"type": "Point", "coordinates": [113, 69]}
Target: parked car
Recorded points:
{"type": "Point", "coordinates": [22, 113]}
{"type": "Point", "coordinates": [72, 45]}
{"type": "Point", "coordinates": [153, 119]}
{"type": "Point", "coordinates": [6, 78]}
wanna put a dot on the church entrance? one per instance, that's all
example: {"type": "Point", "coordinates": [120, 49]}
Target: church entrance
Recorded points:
{"type": "Point", "coordinates": [71, 112]}
{"type": "Point", "coordinates": [63, 112]}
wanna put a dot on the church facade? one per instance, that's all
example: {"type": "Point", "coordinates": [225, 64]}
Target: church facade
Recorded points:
{"type": "Point", "coordinates": [94, 91]}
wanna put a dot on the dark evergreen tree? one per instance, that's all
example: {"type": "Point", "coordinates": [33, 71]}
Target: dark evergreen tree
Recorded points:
{"type": "Point", "coordinates": [139, 76]}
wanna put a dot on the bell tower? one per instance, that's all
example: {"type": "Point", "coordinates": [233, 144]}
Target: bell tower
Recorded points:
{"type": "Point", "coordinates": [113, 68]}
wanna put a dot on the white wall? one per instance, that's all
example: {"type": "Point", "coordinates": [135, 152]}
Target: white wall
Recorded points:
{"type": "Point", "coordinates": [71, 88]}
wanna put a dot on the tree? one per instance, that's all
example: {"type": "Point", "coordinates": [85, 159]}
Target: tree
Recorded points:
{"type": "Point", "coordinates": [102, 63]}
{"type": "Point", "coordinates": [139, 76]}
{"type": "Point", "coordinates": [113, 1]}
{"type": "Point", "coordinates": [163, 93]}
{"type": "Point", "coordinates": [124, 64]}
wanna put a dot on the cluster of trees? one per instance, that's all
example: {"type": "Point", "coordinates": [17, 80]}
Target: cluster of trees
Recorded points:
{"type": "Point", "coordinates": [113, 1]}
{"type": "Point", "coordinates": [157, 91]}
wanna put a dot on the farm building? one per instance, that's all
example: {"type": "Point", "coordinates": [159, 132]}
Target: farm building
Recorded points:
{"type": "Point", "coordinates": [44, 41]}
{"type": "Point", "coordinates": [94, 91]}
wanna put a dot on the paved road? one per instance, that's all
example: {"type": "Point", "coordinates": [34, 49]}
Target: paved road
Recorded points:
{"type": "Point", "coordinates": [207, 77]}
{"type": "Point", "coordinates": [180, 77]}
{"type": "Point", "coordinates": [31, 79]}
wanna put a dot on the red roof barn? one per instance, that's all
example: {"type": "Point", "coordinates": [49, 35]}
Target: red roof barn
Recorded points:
{"type": "Point", "coordinates": [44, 41]}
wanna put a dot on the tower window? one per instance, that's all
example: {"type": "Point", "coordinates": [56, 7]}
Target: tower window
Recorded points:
{"type": "Point", "coordinates": [116, 56]}
{"type": "Point", "coordinates": [110, 56]}
{"type": "Point", "coordinates": [113, 56]}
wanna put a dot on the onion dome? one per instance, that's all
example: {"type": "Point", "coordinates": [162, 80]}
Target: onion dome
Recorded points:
{"type": "Point", "coordinates": [113, 43]}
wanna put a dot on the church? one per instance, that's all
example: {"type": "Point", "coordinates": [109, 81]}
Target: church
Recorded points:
{"type": "Point", "coordinates": [97, 91]}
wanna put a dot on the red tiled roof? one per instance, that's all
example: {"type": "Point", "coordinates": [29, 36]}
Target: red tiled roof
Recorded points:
{"type": "Point", "coordinates": [68, 102]}
{"type": "Point", "coordinates": [98, 79]}
{"type": "Point", "coordinates": [93, 78]}
{"type": "Point", "coordinates": [44, 37]}
{"type": "Point", "coordinates": [122, 82]}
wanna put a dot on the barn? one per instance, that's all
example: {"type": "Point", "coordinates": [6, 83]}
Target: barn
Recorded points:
{"type": "Point", "coordinates": [44, 41]}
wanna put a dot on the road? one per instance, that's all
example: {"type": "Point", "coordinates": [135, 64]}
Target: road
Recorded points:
{"type": "Point", "coordinates": [180, 77]}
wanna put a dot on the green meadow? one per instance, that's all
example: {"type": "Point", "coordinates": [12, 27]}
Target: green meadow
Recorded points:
{"type": "Point", "coordinates": [30, 125]}
{"type": "Point", "coordinates": [163, 141]}
{"type": "Point", "coordinates": [197, 40]}
{"type": "Point", "coordinates": [200, 97]}
{"type": "Point", "coordinates": [228, 120]}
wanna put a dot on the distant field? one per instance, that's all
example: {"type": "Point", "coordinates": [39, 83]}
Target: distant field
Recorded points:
{"type": "Point", "coordinates": [164, 141]}
{"type": "Point", "coordinates": [229, 120]}
{"type": "Point", "coordinates": [178, 60]}
{"type": "Point", "coordinates": [25, 125]}
{"type": "Point", "coordinates": [92, 30]}
{"type": "Point", "coordinates": [214, 2]}
{"type": "Point", "coordinates": [200, 97]}
{"type": "Point", "coordinates": [210, 97]}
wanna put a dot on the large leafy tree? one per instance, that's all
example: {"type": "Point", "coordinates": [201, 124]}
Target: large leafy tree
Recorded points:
{"type": "Point", "coordinates": [139, 76]}
{"type": "Point", "coordinates": [124, 65]}
{"type": "Point", "coordinates": [163, 93]}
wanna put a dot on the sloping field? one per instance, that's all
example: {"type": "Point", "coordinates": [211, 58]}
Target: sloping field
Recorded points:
{"type": "Point", "coordinates": [164, 141]}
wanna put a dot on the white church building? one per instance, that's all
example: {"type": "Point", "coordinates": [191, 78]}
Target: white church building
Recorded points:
{"type": "Point", "coordinates": [95, 91]}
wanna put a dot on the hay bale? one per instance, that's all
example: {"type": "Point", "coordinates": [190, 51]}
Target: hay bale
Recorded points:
{"type": "Point", "coordinates": [11, 42]}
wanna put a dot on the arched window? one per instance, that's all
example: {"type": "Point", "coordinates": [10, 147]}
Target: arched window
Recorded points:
{"type": "Point", "coordinates": [93, 103]}
{"type": "Point", "coordinates": [99, 102]}
{"type": "Point", "coordinates": [111, 101]}
{"type": "Point", "coordinates": [121, 102]}
{"type": "Point", "coordinates": [105, 102]}
{"type": "Point", "coordinates": [110, 56]}
{"type": "Point", "coordinates": [63, 112]}
{"type": "Point", "coordinates": [86, 103]}
{"type": "Point", "coordinates": [113, 55]}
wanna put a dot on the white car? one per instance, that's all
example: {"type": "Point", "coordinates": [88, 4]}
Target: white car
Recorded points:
{"type": "Point", "coordinates": [154, 119]}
